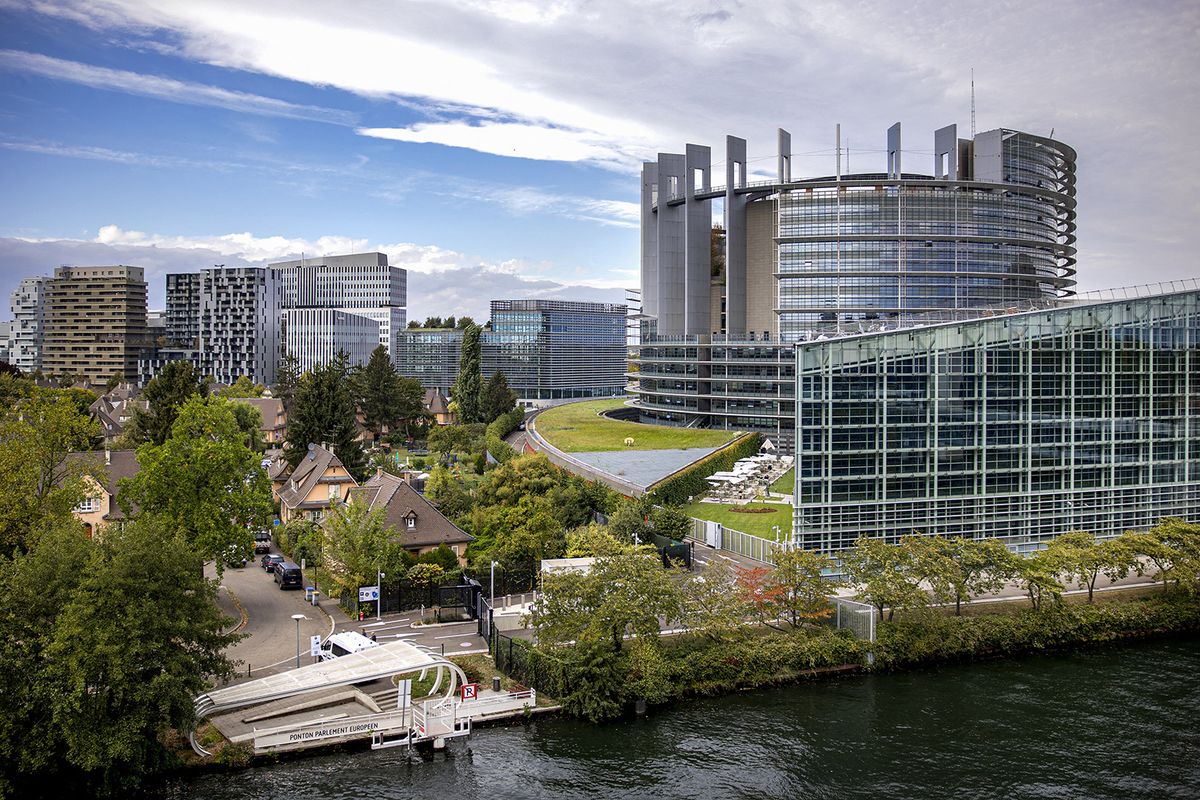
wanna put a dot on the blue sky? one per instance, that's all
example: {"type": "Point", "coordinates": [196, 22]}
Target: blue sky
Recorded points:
{"type": "Point", "coordinates": [492, 148]}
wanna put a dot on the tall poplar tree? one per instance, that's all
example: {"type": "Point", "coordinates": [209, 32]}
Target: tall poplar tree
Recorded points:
{"type": "Point", "coordinates": [468, 389]}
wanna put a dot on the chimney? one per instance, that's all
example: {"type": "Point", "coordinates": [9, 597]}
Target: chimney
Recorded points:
{"type": "Point", "coordinates": [379, 471]}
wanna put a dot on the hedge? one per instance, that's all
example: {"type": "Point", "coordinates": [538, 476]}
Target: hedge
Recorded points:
{"type": "Point", "coordinates": [676, 489]}
{"type": "Point", "coordinates": [500, 427]}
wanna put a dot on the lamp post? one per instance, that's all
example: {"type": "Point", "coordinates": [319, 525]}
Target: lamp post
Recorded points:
{"type": "Point", "coordinates": [493, 586]}
{"type": "Point", "coordinates": [298, 617]}
{"type": "Point", "coordinates": [379, 576]}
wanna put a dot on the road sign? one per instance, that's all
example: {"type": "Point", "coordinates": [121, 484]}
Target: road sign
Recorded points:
{"type": "Point", "coordinates": [403, 693]}
{"type": "Point", "coordinates": [470, 691]}
{"type": "Point", "coordinates": [367, 594]}
{"type": "Point", "coordinates": [314, 644]}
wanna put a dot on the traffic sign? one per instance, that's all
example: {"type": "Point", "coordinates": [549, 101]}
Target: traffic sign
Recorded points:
{"type": "Point", "coordinates": [315, 645]}
{"type": "Point", "coordinates": [367, 594]}
{"type": "Point", "coordinates": [470, 691]}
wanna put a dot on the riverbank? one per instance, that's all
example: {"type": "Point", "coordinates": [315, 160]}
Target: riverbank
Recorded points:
{"type": "Point", "coordinates": [599, 685]}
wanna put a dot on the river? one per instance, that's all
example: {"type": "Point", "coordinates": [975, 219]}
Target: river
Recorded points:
{"type": "Point", "coordinates": [1120, 721]}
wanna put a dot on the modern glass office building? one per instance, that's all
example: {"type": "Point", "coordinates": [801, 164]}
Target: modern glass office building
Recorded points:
{"type": "Point", "coordinates": [1021, 426]}
{"type": "Point", "coordinates": [430, 355]}
{"type": "Point", "coordinates": [557, 349]}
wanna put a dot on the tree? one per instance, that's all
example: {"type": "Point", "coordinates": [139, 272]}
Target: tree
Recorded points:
{"type": "Point", "coordinates": [324, 413]}
{"type": "Point", "coordinates": [449, 322]}
{"type": "Point", "coordinates": [450, 497]}
{"type": "Point", "coordinates": [107, 643]}
{"type": "Point", "coordinates": [39, 484]}
{"type": "Point", "coordinates": [801, 593]}
{"type": "Point", "coordinates": [671, 522]}
{"type": "Point", "coordinates": [287, 379]}
{"type": "Point", "coordinates": [425, 574]}
{"type": "Point", "coordinates": [716, 245]}
{"type": "Point", "coordinates": [1172, 546]}
{"type": "Point", "coordinates": [204, 482]}
{"type": "Point", "coordinates": [619, 596]}
{"type": "Point", "coordinates": [114, 380]}
{"type": "Point", "coordinates": [712, 601]}
{"type": "Point", "coordinates": [466, 391]}
{"type": "Point", "coordinates": [249, 421]}
{"type": "Point", "coordinates": [1083, 559]}
{"type": "Point", "coordinates": [1038, 574]}
{"type": "Point", "coordinates": [498, 399]}
{"type": "Point", "coordinates": [958, 569]}
{"type": "Point", "coordinates": [441, 556]}
{"type": "Point", "coordinates": [177, 382]}
{"type": "Point", "coordinates": [464, 322]}
{"type": "Point", "coordinates": [242, 387]}
{"type": "Point", "coordinates": [628, 522]}
{"type": "Point", "coordinates": [884, 575]}
{"type": "Point", "coordinates": [594, 540]}
{"type": "Point", "coordinates": [413, 324]}
{"type": "Point", "coordinates": [357, 545]}
{"type": "Point", "coordinates": [376, 390]}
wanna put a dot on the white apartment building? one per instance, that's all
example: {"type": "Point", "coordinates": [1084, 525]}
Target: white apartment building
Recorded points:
{"type": "Point", "coordinates": [239, 323]}
{"type": "Point", "coordinates": [315, 335]}
{"type": "Point", "coordinates": [27, 303]}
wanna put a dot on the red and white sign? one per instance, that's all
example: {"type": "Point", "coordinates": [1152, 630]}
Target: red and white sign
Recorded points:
{"type": "Point", "coordinates": [470, 691]}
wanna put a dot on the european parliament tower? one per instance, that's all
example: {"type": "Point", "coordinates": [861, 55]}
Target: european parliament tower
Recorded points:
{"type": "Point", "coordinates": [948, 381]}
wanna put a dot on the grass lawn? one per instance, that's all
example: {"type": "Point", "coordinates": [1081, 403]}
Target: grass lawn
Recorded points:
{"type": "Point", "coordinates": [753, 524]}
{"type": "Point", "coordinates": [786, 483]}
{"type": "Point", "coordinates": [578, 428]}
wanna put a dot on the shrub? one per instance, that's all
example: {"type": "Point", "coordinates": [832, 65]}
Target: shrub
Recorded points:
{"type": "Point", "coordinates": [679, 488]}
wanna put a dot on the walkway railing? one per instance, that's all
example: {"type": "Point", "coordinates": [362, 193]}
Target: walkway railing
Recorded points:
{"type": "Point", "coordinates": [714, 534]}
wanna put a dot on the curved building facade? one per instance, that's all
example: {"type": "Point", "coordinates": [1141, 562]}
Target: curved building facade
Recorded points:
{"type": "Point", "coordinates": [990, 230]}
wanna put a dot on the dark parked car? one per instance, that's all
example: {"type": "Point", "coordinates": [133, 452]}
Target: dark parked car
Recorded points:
{"type": "Point", "coordinates": [270, 560]}
{"type": "Point", "coordinates": [262, 542]}
{"type": "Point", "coordinates": [288, 576]}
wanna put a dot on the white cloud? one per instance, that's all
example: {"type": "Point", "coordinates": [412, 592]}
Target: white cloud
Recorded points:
{"type": "Point", "coordinates": [175, 91]}
{"type": "Point", "coordinates": [511, 139]}
{"type": "Point", "coordinates": [50, 148]}
{"type": "Point", "coordinates": [526, 200]}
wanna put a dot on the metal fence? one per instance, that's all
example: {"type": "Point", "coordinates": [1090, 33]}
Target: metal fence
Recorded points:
{"type": "Point", "coordinates": [714, 534]}
{"type": "Point", "coordinates": [858, 618]}
{"type": "Point", "coordinates": [517, 659]}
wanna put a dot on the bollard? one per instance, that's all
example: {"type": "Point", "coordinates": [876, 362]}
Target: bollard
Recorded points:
{"type": "Point", "coordinates": [495, 683]}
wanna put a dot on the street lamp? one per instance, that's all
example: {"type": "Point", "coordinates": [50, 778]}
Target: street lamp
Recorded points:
{"type": "Point", "coordinates": [298, 617]}
{"type": "Point", "coordinates": [493, 584]}
{"type": "Point", "coordinates": [379, 576]}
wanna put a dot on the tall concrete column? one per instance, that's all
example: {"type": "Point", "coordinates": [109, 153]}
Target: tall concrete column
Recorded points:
{"type": "Point", "coordinates": [893, 151]}
{"type": "Point", "coordinates": [671, 242]}
{"type": "Point", "coordinates": [649, 276]}
{"type": "Point", "coordinates": [785, 156]}
{"type": "Point", "coordinates": [735, 235]}
{"type": "Point", "coordinates": [945, 153]}
{"type": "Point", "coordinates": [698, 231]}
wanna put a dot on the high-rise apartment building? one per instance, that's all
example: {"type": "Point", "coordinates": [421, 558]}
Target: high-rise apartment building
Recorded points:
{"type": "Point", "coordinates": [25, 337]}
{"type": "Point", "coordinates": [239, 323]}
{"type": "Point", "coordinates": [183, 309]}
{"type": "Point", "coordinates": [94, 321]}
{"type": "Point", "coordinates": [361, 284]}
{"type": "Point", "coordinates": [315, 335]}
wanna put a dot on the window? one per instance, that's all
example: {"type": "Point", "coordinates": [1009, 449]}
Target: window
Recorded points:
{"type": "Point", "coordinates": [412, 522]}
{"type": "Point", "coordinates": [88, 506]}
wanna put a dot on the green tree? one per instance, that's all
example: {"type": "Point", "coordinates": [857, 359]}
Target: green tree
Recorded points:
{"type": "Point", "coordinates": [425, 574]}
{"type": "Point", "coordinates": [441, 556]}
{"type": "Point", "coordinates": [107, 642]}
{"type": "Point", "coordinates": [357, 545]}
{"type": "Point", "coordinates": [39, 484]}
{"type": "Point", "coordinates": [1172, 546]}
{"type": "Point", "coordinates": [242, 387]}
{"type": "Point", "coordinates": [377, 392]}
{"type": "Point", "coordinates": [619, 596]}
{"type": "Point", "coordinates": [593, 540]}
{"type": "Point", "coordinates": [449, 322]}
{"type": "Point", "coordinates": [958, 569]}
{"type": "Point", "coordinates": [114, 380]}
{"type": "Point", "coordinates": [1083, 559]}
{"type": "Point", "coordinates": [801, 593]}
{"type": "Point", "coordinates": [671, 522]}
{"type": "Point", "coordinates": [498, 399]}
{"type": "Point", "coordinates": [884, 575]}
{"type": "Point", "coordinates": [467, 390]}
{"type": "Point", "coordinates": [1038, 575]}
{"type": "Point", "coordinates": [164, 395]}
{"type": "Point", "coordinates": [448, 494]}
{"type": "Point", "coordinates": [628, 522]}
{"type": "Point", "coordinates": [203, 481]}
{"type": "Point", "coordinates": [287, 379]}
{"type": "Point", "coordinates": [712, 603]}
{"type": "Point", "coordinates": [249, 421]}
{"type": "Point", "coordinates": [324, 413]}
{"type": "Point", "coordinates": [464, 322]}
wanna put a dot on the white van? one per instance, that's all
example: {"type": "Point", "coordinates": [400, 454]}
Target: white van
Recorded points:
{"type": "Point", "coordinates": [345, 643]}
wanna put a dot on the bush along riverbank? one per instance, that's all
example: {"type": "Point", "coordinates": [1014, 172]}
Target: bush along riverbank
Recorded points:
{"type": "Point", "coordinates": [600, 683]}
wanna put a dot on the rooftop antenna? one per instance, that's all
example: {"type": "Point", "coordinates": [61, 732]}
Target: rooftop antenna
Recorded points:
{"type": "Point", "coordinates": [972, 102]}
{"type": "Point", "coordinates": [838, 147]}
{"type": "Point", "coordinates": [1052, 133]}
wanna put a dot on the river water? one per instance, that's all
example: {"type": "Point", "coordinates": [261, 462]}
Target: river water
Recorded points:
{"type": "Point", "coordinates": [1120, 721]}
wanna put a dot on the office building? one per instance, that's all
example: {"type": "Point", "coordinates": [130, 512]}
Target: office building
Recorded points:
{"type": "Point", "coordinates": [94, 322]}
{"type": "Point", "coordinates": [557, 349]}
{"type": "Point", "coordinates": [430, 355]}
{"type": "Point", "coordinates": [1021, 426]}
{"type": "Point", "coordinates": [25, 337]}
{"type": "Point", "coordinates": [315, 335]}
{"type": "Point", "coordinates": [990, 230]}
{"type": "Point", "coordinates": [361, 284]}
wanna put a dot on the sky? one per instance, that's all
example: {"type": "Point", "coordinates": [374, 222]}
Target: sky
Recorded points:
{"type": "Point", "coordinates": [492, 147]}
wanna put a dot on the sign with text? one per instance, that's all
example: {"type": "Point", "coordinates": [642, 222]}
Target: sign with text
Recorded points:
{"type": "Point", "coordinates": [314, 645]}
{"type": "Point", "coordinates": [470, 691]}
{"type": "Point", "coordinates": [368, 594]}
{"type": "Point", "coordinates": [403, 693]}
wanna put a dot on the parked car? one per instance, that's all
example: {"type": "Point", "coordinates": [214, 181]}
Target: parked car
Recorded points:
{"type": "Point", "coordinates": [288, 575]}
{"type": "Point", "coordinates": [262, 542]}
{"type": "Point", "coordinates": [270, 560]}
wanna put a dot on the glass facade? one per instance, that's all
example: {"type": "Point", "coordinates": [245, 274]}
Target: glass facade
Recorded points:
{"type": "Point", "coordinates": [430, 355]}
{"type": "Point", "coordinates": [1021, 427]}
{"type": "Point", "coordinates": [557, 349]}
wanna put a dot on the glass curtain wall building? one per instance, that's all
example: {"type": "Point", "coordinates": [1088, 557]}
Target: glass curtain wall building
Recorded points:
{"type": "Point", "coordinates": [1021, 427]}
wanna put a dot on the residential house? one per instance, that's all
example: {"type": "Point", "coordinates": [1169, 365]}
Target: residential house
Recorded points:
{"type": "Point", "coordinates": [113, 411]}
{"type": "Point", "coordinates": [417, 522]}
{"type": "Point", "coordinates": [438, 405]}
{"type": "Point", "coordinates": [274, 418]}
{"type": "Point", "coordinates": [307, 491]}
{"type": "Point", "coordinates": [102, 475]}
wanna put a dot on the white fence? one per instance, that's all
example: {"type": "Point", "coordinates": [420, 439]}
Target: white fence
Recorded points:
{"type": "Point", "coordinates": [714, 534]}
